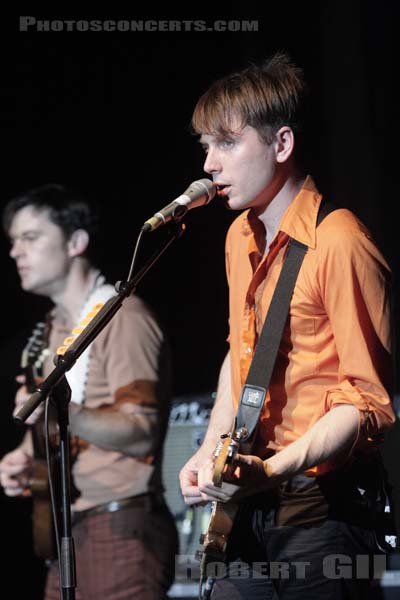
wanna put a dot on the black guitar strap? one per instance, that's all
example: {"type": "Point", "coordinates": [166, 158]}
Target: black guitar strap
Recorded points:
{"type": "Point", "coordinates": [258, 378]}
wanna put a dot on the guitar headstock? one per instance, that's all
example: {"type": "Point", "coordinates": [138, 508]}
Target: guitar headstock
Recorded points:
{"type": "Point", "coordinates": [34, 354]}
{"type": "Point", "coordinates": [36, 349]}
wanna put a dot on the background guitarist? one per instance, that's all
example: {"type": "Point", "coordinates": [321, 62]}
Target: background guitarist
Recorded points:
{"type": "Point", "coordinates": [125, 537]}
{"type": "Point", "coordinates": [312, 488]}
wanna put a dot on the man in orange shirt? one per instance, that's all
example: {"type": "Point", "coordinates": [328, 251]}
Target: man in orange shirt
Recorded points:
{"type": "Point", "coordinates": [311, 493]}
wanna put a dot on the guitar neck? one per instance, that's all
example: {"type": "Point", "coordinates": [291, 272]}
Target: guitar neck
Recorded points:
{"type": "Point", "coordinates": [30, 380]}
{"type": "Point", "coordinates": [37, 429]}
{"type": "Point", "coordinates": [38, 439]}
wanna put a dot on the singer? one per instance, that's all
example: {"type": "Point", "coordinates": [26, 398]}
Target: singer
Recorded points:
{"type": "Point", "coordinates": [312, 485]}
{"type": "Point", "coordinates": [125, 537]}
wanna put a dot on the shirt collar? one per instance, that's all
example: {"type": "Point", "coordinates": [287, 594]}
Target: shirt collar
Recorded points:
{"type": "Point", "coordinates": [299, 220]}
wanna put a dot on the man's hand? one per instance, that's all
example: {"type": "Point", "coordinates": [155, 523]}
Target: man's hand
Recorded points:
{"type": "Point", "coordinates": [246, 476]}
{"type": "Point", "coordinates": [15, 473]}
{"type": "Point", "coordinates": [189, 479]}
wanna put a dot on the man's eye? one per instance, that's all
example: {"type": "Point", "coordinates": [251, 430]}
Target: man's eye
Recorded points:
{"type": "Point", "coordinates": [24, 239]}
{"type": "Point", "coordinates": [227, 143]}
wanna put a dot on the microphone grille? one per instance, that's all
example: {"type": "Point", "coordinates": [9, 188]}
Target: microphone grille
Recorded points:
{"type": "Point", "coordinates": [209, 186]}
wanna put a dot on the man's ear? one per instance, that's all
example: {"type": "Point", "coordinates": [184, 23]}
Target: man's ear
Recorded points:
{"type": "Point", "coordinates": [78, 242]}
{"type": "Point", "coordinates": [284, 144]}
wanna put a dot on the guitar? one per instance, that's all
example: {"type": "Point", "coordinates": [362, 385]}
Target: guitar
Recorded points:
{"type": "Point", "coordinates": [214, 540]}
{"type": "Point", "coordinates": [33, 357]}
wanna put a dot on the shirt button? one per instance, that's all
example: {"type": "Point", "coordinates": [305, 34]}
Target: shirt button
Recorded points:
{"type": "Point", "coordinates": [248, 350]}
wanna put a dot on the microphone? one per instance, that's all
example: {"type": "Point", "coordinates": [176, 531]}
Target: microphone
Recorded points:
{"type": "Point", "coordinates": [198, 193]}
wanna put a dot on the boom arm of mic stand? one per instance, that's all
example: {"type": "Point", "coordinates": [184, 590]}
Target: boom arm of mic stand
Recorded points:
{"type": "Point", "coordinates": [66, 361]}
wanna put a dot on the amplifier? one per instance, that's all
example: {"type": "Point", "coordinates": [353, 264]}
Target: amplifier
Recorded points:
{"type": "Point", "coordinates": [186, 429]}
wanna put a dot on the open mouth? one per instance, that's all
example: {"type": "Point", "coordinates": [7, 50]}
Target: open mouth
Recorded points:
{"type": "Point", "coordinates": [222, 190]}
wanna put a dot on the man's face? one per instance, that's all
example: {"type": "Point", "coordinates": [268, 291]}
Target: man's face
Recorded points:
{"type": "Point", "coordinates": [242, 166]}
{"type": "Point", "coordinates": [40, 251]}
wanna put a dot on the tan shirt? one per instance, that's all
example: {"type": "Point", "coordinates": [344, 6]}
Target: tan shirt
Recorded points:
{"type": "Point", "coordinates": [128, 369]}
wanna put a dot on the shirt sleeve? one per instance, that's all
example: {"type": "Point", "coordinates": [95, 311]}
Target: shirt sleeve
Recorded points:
{"type": "Point", "coordinates": [355, 287]}
{"type": "Point", "coordinates": [135, 357]}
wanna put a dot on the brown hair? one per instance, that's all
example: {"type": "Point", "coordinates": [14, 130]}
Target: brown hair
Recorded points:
{"type": "Point", "coordinates": [265, 96]}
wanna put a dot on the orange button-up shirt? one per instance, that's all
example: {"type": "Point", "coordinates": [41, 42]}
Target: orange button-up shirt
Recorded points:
{"type": "Point", "coordinates": [336, 347]}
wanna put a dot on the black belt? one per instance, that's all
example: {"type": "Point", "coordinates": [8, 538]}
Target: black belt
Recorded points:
{"type": "Point", "coordinates": [146, 501]}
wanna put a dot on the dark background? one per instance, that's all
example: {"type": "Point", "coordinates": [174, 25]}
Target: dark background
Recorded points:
{"type": "Point", "coordinates": [109, 113]}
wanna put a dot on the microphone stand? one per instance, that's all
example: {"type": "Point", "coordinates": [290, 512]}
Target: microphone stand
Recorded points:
{"type": "Point", "coordinates": [56, 386]}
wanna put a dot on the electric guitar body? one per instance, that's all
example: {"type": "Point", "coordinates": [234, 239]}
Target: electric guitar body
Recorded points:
{"type": "Point", "coordinates": [214, 540]}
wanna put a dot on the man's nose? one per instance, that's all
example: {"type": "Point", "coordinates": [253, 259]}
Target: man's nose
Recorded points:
{"type": "Point", "coordinates": [16, 249]}
{"type": "Point", "coordinates": [212, 164]}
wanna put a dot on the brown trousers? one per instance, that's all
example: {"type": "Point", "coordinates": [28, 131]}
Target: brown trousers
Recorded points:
{"type": "Point", "coordinates": [121, 555]}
